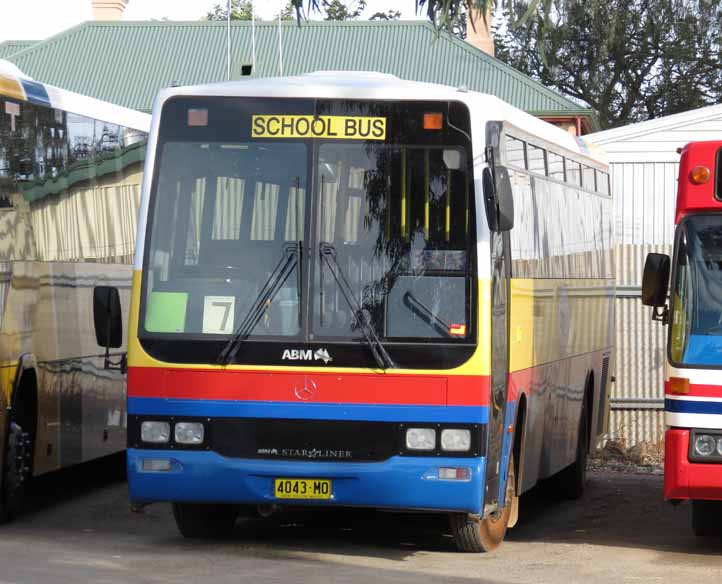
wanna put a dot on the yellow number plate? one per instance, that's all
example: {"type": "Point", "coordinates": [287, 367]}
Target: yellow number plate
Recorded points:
{"type": "Point", "coordinates": [302, 489]}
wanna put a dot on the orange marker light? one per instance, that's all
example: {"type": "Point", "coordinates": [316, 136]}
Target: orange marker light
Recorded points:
{"type": "Point", "coordinates": [197, 117]}
{"type": "Point", "coordinates": [700, 175]}
{"type": "Point", "coordinates": [433, 121]}
{"type": "Point", "coordinates": [678, 385]}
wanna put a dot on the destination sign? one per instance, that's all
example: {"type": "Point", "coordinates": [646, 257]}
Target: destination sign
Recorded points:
{"type": "Point", "coordinates": [339, 127]}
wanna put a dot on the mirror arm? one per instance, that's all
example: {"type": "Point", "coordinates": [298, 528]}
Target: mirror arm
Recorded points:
{"type": "Point", "coordinates": [661, 314]}
{"type": "Point", "coordinates": [121, 365]}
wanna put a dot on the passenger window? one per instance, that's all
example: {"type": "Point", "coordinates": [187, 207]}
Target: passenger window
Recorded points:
{"type": "Point", "coordinates": [588, 178]}
{"type": "Point", "coordinates": [556, 166]}
{"type": "Point", "coordinates": [515, 153]}
{"type": "Point", "coordinates": [574, 172]}
{"type": "Point", "coordinates": [603, 182]}
{"type": "Point", "coordinates": [536, 158]}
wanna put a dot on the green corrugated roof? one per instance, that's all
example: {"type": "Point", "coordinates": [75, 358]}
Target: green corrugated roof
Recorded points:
{"type": "Point", "coordinates": [128, 62]}
{"type": "Point", "coordinates": [8, 48]}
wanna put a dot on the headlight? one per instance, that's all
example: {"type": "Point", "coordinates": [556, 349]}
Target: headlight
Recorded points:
{"type": "Point", "coordinates": [719, 446]}
{"type": "Point", "coordinates": [456, 440]}
{"type": "Point", "coordinates": [705, 445]}
{"type": "Point", "coordinates": [156, 432]}
{"type": "Point", "coordinates": [420, 438]}
{"type": "Point", "coordinates": [189, 433]}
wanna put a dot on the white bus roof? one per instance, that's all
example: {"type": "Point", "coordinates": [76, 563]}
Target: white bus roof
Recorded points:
{"type": "Point", "coordinates": [15, 85]}
{"type": "Point", "coordinates": [360, 85]}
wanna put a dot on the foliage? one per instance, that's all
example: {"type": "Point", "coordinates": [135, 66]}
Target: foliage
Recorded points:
{"type": "Point", "coordinates": [240, 10]}
{"type": "Point", "coordinates": [243, 9]}
{"type": "Point", "coordinates": [337, 10]}
{"type": "Point", "coordinates": [628, 59]}
{"type": "Point", "coordinates": [388, 15]}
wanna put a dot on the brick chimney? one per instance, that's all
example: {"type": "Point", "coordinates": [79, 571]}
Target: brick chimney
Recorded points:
{"type": "Point", "coordinates": [479, 33]}
{"type": "Point", "coordinates": [108, 9]}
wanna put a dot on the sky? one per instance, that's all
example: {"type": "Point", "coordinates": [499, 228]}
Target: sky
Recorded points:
{"type": "Point", "coordinates": [39, 19]}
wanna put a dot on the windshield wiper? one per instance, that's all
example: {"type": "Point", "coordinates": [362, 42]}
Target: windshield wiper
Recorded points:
{"type": "Point", "coordinates": [383, 359]}
{"type": "Point", "coordinates": [423, 312]}
{"type": "Point", "coordinates": [278, 277]}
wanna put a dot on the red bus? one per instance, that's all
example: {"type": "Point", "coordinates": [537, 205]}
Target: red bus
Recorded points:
{"type": "Point", "coordinates": [693, 386]}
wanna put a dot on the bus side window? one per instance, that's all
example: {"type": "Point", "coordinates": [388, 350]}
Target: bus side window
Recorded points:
{"type": "Point", "coordinates": [556, 166]}
{"type": "Point", "coordinates": [515, 152]}
{"type": "Point", "coordinates": [574, 172]}
{"type": "Point", "coordinates": [537, 159]}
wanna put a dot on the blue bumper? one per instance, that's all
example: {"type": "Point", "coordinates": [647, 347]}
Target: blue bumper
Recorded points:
{"type": "Point", "coordinates": [402, 483]}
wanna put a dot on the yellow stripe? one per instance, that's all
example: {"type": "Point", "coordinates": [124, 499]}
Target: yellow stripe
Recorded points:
{"type": "Point", "coordinates": [553, 319]}
{"type": "Point", "coordinates": [478, 364]}
{"type": "Point", "coordinates": [12, 88]}
{"type": "Point", "coordinates": [403, 192]}
{"type": "Point", "coordinates": [447, 225]}
{"type": "Point", "coordinates": [426, 194]}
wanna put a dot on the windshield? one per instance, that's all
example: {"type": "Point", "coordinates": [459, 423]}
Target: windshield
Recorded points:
{"type": "Point", "coordinates": [225, 212]}
{"type": "Point", "coordinates": [696, 332]}
{"type": "Point", "coordinates": [300, 223]}
{"type": "Point", "coordinates": [396, 217]}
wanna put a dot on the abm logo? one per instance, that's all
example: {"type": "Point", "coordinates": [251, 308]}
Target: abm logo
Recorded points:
{"type": "Point", "coordinates": [307, 355]}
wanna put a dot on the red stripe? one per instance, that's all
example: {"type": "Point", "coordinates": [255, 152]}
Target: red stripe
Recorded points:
{"type": "Point", "coordinates": [281, 386]}
{"type": "Point", "coordinates": [697, 390]}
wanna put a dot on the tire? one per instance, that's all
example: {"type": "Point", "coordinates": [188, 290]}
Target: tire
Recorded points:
{"type": "Point", "coordinates": [204, 521]}
{"type": "Point", "coordinates": [707, 518]}
{"type": "Point", "coordinates": [570, 482]}
{"type": "Point", "coordinates": [16, 471]}
{"type": "Point", "coordinates": [484, 535]}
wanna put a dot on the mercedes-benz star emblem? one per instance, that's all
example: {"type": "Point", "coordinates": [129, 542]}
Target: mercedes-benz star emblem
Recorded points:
{"type": "Point", "coordinates": [306, 391]}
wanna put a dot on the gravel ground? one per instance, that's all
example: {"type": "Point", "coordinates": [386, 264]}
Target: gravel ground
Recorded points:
{"type": "Point", "coordinates": [79, 528]}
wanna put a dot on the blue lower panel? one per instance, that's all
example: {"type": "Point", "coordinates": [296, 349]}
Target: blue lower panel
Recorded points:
{"type": "Point", "coordinates": [150, 406]}
{"type": "Point", "coordinates": [397, 483]}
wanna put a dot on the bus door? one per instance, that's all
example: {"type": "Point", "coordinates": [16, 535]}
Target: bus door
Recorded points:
{"type": "Point", "coordinates": [500, 304]}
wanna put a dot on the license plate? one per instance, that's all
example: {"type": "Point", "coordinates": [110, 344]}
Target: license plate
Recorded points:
{"type": "Point", "coordinates": [302, 489]}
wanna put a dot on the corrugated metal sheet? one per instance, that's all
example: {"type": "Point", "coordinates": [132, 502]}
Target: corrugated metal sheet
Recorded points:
{"type": "Point", "coordinates": [11, 47]}
{"type": "Point", "coordinates": [128, 62]}
{"type": "Point", "coordinates": [645, 196]}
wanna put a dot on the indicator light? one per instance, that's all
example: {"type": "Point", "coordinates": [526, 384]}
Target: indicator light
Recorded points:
{"type": "Point", "coordinates": [198, 117]}
{"type": "Point", "coordinates": [433, 121]}
{"type": "Point", "coordinates": [678, 385]}
{"type": "Point", "coordinates": [699, 175]}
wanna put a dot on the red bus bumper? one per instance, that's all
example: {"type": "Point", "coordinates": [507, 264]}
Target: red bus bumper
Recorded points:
{"type": "Point", "coordinates": [684, 479]}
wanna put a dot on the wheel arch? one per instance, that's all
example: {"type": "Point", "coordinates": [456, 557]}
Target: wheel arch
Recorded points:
{"type": "Point", "coordinates": [519, 444]}
{"type": "Point", "coordinates": [589, 404]}
{"type": "Point", "coordinates": [25, 392]}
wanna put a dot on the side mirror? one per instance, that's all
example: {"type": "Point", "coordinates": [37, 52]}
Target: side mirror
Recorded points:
{"type": "Point", "coordinates": [655, 280]}
{"type": "Point", "coordinates": [107, 317]}
{"type": "Point", "coordinates": [498, 199]}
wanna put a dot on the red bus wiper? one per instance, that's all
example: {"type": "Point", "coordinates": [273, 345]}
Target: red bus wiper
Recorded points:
{"type": "Point", "coordinates": [383, 359]}
{"type": "Point", "coordinates": [278, 277]}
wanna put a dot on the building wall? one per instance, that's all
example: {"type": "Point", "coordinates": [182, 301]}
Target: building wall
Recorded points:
{"type": "Point", "coordinates": [644, 167]}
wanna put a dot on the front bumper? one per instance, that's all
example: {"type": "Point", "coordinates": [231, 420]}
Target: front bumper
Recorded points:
{"type": "Point", "coordinates": [399, 483]}
{"type": "Point", "coordinates": [684, 479]}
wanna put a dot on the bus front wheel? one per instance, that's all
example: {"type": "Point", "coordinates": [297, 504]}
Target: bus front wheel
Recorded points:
{"type": "Point", "coordinates": [484, 535]}
{"type": "Point", "coordinates": [198, 520]}
{"type": "Point", "coordinates": [707, 518]}
{"type": "Point", "coordinates": [15, 472]}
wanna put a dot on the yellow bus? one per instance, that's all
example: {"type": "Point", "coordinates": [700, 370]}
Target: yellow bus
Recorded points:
{"type": "Point", "coordinates": [354, 290]}
{"type": "Point", "coordinates": [70, 174]}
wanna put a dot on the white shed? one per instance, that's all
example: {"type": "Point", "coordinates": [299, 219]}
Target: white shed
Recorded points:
{"type": "Point", "coordinates": [644, 162]}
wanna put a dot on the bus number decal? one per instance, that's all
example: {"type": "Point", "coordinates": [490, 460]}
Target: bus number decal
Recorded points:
{"type": "Point", "coordinates": [339, 127]}
{"type": "Point", "coordinates": [218, 312]}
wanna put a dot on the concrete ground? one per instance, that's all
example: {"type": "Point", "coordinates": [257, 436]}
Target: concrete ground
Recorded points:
{"type": "Point", "coordinates": [79, 528]}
